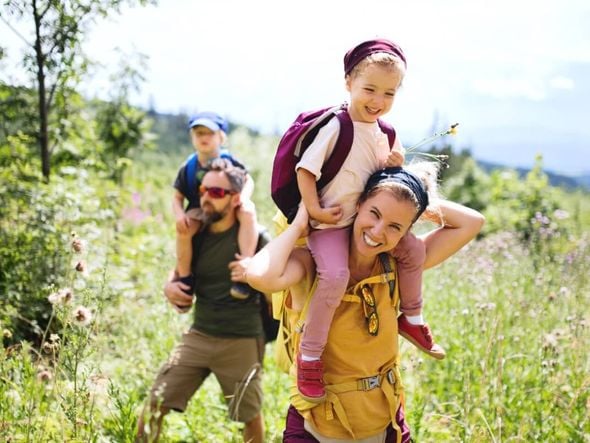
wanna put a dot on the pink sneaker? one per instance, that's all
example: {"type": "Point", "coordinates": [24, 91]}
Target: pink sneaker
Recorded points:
{"type": "Point", "coordinates": [310, 383]}
{"type": "Point", "coordinates": [420, 336]}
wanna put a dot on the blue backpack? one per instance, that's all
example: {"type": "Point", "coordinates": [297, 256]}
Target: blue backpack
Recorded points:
{"type": "Point", "coordinates": [191, 171]}
{"type": "Point", "coordinates": [296, 140]}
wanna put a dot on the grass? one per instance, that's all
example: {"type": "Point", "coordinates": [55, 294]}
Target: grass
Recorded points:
{"type": "Point", "coordinates": [513, 319]}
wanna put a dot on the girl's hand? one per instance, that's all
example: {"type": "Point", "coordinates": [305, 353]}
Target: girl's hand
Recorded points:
{"type": "Point", "coordinates": [331, 215]}
{"type": "Point", "coordinates": [395, 159]}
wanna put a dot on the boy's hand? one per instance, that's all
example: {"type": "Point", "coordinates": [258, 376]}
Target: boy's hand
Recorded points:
{"type": "Point", "coordinates": [183, 224]}
{"type": "Point", "coordinates": [238, 268]}
{"type": "Point", "coordinates": [246, 211]}
{"type": "Point", "coordinates": [395, 158]}
{"type": "Point", "coordinates": [331, 215]}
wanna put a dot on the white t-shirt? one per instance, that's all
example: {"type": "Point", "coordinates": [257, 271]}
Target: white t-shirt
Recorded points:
{"type": "Point", "coordinates": [369, 151]}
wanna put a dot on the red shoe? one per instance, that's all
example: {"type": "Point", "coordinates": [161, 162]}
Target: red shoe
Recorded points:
{"type": "Point", "coordinates": [420, 336]}
{"type": "Point", "coordinates": [310, 383]}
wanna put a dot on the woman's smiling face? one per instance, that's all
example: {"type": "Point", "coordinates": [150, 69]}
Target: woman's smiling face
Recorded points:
{"type": "Point", "coordinates": [382, 220]}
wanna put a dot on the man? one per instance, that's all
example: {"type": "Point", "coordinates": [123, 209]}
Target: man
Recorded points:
{"type": "Point", "coordinates": [226, 337]}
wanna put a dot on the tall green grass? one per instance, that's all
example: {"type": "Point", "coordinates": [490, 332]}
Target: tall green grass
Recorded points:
{"type": "Point", "coordinates": [514, 320]}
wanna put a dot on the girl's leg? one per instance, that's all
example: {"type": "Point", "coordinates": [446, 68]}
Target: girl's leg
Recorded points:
{"type": "Point", "coordinates": [410, 254]}
{"type": "Point", "coordinates": [329, 248]}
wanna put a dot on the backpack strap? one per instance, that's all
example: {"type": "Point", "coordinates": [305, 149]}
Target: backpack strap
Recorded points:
{"type": "Point", "coordinates": [386, 261]}
{"type": "Point", "coordinates": [341, 148]}
{"type": "Point", "coordinates": [192, 164]}
{"type": "Point", "coordinates": [388, 130]}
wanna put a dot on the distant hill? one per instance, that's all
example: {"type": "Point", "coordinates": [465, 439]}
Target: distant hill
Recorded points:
{"type": "Point", "coordinates": [564, 181]}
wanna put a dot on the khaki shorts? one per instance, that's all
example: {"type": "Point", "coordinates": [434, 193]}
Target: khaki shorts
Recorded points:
{"type": "Point", "coordinates": [235, 362]}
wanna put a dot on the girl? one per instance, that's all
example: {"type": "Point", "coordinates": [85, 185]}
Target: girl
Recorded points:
{"type": "Point", "coordinates": [374, 71]}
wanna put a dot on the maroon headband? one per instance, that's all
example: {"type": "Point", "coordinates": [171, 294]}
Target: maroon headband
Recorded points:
{"type": "Point", "coordinates": [356, 54]}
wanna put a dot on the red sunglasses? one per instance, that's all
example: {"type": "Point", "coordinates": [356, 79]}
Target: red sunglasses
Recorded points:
{"type": "Point", "coordinates": [215, 192]}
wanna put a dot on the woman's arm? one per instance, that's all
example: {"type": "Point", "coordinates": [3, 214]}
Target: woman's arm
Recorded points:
{"type": "Point", "coordinates": [277, 266]}
{"type": "Point", "coordinates": [461, 225]}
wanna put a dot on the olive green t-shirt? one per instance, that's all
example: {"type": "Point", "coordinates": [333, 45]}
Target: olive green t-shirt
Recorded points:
{"type": "Point", "coordinates": [217, 313]}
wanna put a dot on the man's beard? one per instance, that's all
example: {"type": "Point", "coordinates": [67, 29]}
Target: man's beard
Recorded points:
{"type": "Point", "coordinates": [211, 215]}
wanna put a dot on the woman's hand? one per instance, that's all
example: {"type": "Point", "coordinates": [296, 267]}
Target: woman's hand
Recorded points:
{"type": "Point", "coordinates": [301, 220]}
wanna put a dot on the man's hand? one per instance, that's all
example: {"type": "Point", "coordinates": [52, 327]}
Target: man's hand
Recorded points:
{"type": "Point", "coordinates": [173, 290]}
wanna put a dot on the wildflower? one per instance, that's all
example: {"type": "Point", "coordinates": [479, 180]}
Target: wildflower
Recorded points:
{"type": "Point", "coordinates": [47, 347]}
{"type": "Point", "coordinates": [82, 316]}
{"type": "Point", "coordinates": [44, 375]}
{"type": "Point", "coordinates": [81, 266]}
{"type": "Point", "coordinates": [54, 338]}
{"type": "Point", "coordinates": [77, 245]}
{"type": "Point", "coordinates": [53, 298]}
{"type": "Point", "coordinates": [6, 333]}
{"type": "Point", "coordinates": [61, 297]}
{"type": "Point", "coordinates": [549, 342]}
{"type": "Point", "coordinates": [560, 214]}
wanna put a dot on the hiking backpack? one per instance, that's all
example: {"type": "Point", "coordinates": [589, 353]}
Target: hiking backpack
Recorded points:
{"type": "Point", "coordinates": [191, 170]}
{"type": "Point", "coordinates": [289, 332]}
{"type": "Point", "coordinates": [296, 140]}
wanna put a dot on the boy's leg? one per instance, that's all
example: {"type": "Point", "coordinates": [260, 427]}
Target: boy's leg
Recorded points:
{"type": "Point", "coordinates": [410, 254]}
{"type": "Point", "coordinates": [329, 248]}
{"type": "Point", "coordinates": [184, 253]}
{"type": "Point", "coordinates": [247, 242]}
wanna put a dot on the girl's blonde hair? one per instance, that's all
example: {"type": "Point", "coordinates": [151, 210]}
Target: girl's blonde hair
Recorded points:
{"type": "Point", "coordinates": [383, 59]}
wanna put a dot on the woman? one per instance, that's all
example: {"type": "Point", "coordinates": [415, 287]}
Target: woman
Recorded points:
{"type": "Point", "coordinates": [361, 361]}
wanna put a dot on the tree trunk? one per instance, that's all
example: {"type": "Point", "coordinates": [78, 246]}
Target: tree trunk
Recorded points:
{"type": "Point", "coordinates": [43, 110]}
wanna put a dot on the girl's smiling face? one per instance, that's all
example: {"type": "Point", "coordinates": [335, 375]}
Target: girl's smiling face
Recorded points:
{"type": "Point", "coordinates": [372, 92]}
{"type": "Point", "coordinates": [381, 222]}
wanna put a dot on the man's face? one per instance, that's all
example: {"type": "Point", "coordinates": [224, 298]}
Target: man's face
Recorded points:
{"type": "Point", "coordinates": [212, 204]}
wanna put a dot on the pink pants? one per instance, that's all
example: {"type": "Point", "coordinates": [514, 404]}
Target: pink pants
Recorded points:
{"type": "Point", "coordinates": [329, 248]}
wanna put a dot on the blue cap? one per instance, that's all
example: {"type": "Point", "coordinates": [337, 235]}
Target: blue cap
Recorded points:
{"type": "Point", "coordinates": [210, 120]}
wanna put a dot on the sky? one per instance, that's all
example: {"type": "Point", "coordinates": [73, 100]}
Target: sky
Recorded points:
{"type": "Point", "coordinates": [515, 74]}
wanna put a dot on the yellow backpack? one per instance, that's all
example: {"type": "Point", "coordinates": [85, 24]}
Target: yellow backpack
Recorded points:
{"type": "Point", "coordinates": [289, 334]}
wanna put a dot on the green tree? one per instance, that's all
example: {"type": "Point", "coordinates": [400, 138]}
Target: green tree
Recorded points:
{"type": "Point", "coordinates": [121, 127]}
{"type": "Point", "coordinates": [52, 31]}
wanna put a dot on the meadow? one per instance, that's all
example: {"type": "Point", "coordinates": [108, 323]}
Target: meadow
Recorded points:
{"type": "Point", "coordinates": [511, 309]}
